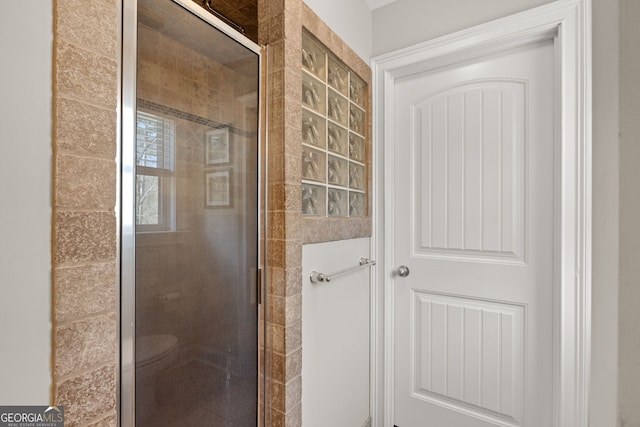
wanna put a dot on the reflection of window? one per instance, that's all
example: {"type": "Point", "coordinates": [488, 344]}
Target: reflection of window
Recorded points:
{"type": "Point", "coordinates": [155, 178]}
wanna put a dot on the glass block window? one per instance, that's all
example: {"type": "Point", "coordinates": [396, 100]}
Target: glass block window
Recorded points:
{"type": "Point", "coordinates": [334, 169]}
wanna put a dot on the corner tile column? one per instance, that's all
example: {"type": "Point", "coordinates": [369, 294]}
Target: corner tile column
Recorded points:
{"type": "Point", "coordinates": [279, 28]}
{"type": "Point", "coordinates": [85, 244]}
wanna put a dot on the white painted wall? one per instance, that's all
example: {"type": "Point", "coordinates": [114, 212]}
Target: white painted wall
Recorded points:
{"type": "Point", "coordinates": [407, 22]}
{"type": "Point", "coordinates": [335, 336]}
{"type": "Point", "coordinates": [629, 400]}
{"type": "Point", "coordinates": [25, 195]}
{"type": "Point", "coordinates": [604, 354]}
{"type": "Point", "coordinates": [335, 316]}
{"type": "Point", "coordinates": [349, 19]}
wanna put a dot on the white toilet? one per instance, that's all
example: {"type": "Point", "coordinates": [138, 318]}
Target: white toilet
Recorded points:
{"type": "Point", "coordinates": [154, 354]}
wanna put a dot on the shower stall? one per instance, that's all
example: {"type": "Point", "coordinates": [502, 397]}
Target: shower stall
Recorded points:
{"type": "Point", "coordinates": [190, 218]}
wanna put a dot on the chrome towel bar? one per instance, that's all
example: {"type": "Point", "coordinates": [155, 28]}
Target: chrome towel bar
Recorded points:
{"type": "Point", "coordinates": [317, 277]}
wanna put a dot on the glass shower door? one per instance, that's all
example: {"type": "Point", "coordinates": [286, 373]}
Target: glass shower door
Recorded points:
{"type": "Point", "coordinates": [196, 222]}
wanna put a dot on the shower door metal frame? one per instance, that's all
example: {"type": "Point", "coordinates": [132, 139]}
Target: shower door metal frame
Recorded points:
{"type": "Point", "coordinates": [127, 176]}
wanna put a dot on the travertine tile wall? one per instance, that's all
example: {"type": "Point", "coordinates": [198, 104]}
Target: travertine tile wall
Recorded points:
{"type": "Point", "coordinates": [85, 229]}
{"type": "Point", "coordinates": [280, 27]}
{"type": "Point", "coordinates": [85, 243]}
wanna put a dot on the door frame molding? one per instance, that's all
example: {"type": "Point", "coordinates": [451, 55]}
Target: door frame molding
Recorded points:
{"type": "Point", "coordinates": [568, 23]}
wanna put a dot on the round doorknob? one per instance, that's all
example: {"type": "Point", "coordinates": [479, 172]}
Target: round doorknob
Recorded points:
{"type": "Point", "coordinates": [403, 271]}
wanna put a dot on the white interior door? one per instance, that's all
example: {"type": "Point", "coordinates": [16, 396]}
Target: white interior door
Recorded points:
{"type": "Point", "coordinates": [474, 217]}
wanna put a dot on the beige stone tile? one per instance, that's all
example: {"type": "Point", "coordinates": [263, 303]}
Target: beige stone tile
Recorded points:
{"type": "Point", "coordinates": [277, 334]}
{"type": "Point", "coordinates": [293, 86]}
{"type": "Point", "coordinates": [323, 33]}
{"type": "Point", "coordinates": [108, 421]}
{"type": "Point", "coordinates": [87, 183]}
{"type": "Point", "coordinates": [293, 395]}
{"type": "Point", "coordinates": [84, 129]}
{"type": "Point", "coordinates": [276, 253]}
{"type": "Point", "coordinates": [292, 54]}
{"type": "Point", "coordinates": [85, 76]}
{"type": "Point", "coordinates": [276, 196]}
{"type": "Point", "coordinates": [278, 418]}
{"type": "Point", "coordinates": [294, 253]}
{"type": "Point", "coordinates": [367, 228]}
{"type": "Point", "coordinates": [293, 225]}
{"type": "Point", "coordinates": [276, 84]}
{"type": "Point", "coordinates": [278, 372]}
{"type": "Point", "coordinates": [84, 344]}
{"type": "Point", "coordinates": [293, 197]}
{"type": "Point", "coordinates": [293, 165]}
{"type": "Point", "coordinates": [276, 27]}
{"type": "Point", "coordinates": [85, 236]}
{"type": "Point", "coordinates": [293, 309]}
{"type": "Point", "coordinates": [276, 55]}
{"type": "Point", "coordinates": [293, 129]}
{"type": "Point", "coordinates": [276, 283]}
{"type": "Point", "coordinates": [293, 337]}
{"type": "Point", "coordinates": [276, 7]}
{"type": "Point", "coordinates": [294, 7]}
{"type": "Point", "coordinates": [87, 396]}
{"type": "Point", "coordinates": [278, 396]}
{"type": "Point", "coordinates": [294, 416]}
{"type": "Point", "coordinates": [292, 281]}
{"type": "Point", "coordinates": [84, 290]}
{"type": "Point", "coordinates": [276, 119]}
{"type": "Point", "coordinates": [314, 230]}
{"type": "Point", "coordinates": [276, 135]}
{"type": "Point", "coordinates": [277, 310]}
{"type": "Point", "coordinates": [293, 29]}
{"type": "Point", "coordinates": [276, 168]}
{"type": "Point", "coordinates": [277, 224]}
{"type": "Point", "coordinates": [93, 25]}
{"type": "Point", "coordinates": [294, 364]}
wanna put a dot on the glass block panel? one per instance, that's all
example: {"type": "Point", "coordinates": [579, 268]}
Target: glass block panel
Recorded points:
{"type": "Point", "coordinates": [356, 148]}
{"type": "Point", "coordinates": [337, 139]}
{"type": "Point", "coordinates": [334, 127]}
{"type": "Point", "coordinates": [356, 176]}
{"type": "Point", "coordinates": [337, 170]}
{"type": "Point", "coordinates": [356, 204]}
{"type": "Point", "coordinates": [356, 119]}
{"type": "Point", "coordinates": [313, 200]}
{"type": "Point", "coordinates": [313, 129]}
{"type": "Point", "coordinates": [313, 57]}
{"type": "Point", "coordinates": [338, 106]}
{"type": "Point", "coordinates": [337, 202]}
{"type": "Point", "coordinates": [313, 164]}
{"type": "Point", "coordinates": [313, 94]}
{"type": "Point", "coordinates": [357, 90]}
{"type": "Point", "coordinates": [337, 76]}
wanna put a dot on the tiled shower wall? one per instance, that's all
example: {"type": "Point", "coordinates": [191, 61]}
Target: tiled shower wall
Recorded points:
{"type": "Point", "coordinates": [85, 237]}
{"type": "Point", "coordinates": [85, 244]}
{"type": "Point", "coordinates": [280, 27]}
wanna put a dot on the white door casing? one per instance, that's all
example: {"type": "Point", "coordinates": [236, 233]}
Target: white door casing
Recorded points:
{"type": "Point", "coordinates": [566, 25]}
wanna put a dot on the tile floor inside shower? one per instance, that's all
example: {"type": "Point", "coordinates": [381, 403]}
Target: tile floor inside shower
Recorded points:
{"type": "Point", "coordinates": [197, 393]}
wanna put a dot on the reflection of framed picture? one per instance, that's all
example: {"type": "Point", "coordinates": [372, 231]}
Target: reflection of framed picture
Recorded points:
{"type": "Point", "coordinates": [217, 147]}
{"type": "Point", "coordinates": [218, 189]}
